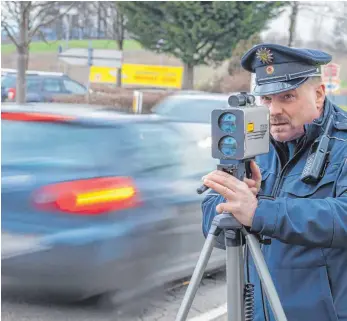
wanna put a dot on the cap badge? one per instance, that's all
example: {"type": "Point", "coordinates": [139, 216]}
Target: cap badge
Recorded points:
{"type": "Point", "coordinates": [270, 70]}
{"type": "Point", "coordinates": [264, 55]}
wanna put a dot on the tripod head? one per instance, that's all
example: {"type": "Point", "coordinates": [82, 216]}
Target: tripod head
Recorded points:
{"type": "Point", "coordinates": [239, 133]}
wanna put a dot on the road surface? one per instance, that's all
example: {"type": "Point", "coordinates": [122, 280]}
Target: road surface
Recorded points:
{"type": "Point", "coordinates": [209, 304]}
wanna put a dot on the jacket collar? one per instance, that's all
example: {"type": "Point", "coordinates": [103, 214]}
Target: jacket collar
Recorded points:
{"type": "Point", "coordinates": [314, 129]}
{"type": "Point", "coordinates": [312, 132]}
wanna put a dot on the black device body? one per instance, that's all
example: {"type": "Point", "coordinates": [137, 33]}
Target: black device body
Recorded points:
{"type": "Point", "coordinates": [318, 158]}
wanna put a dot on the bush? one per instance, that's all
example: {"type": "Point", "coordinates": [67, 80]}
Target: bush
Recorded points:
{"type": "Point", "coordinates": [119, 99]}
{"type": "Point", "coordinates": [227, 84]}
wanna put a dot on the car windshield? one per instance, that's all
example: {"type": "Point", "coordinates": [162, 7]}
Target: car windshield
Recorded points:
{"type": "Point", "coordinates": [8, 81]}
{"type": "Point", "coordinates": [189, 109]}
{"type": "Point", "coordinates": [132, 148]}
{"type": "Point", "coordinates": [74, 87]}
{"type": "Point", "coordinates": [32, 83]}
{"type": "Point", "coordinates": [44, 144]}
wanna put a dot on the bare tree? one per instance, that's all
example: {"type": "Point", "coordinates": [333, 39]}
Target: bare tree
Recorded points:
{"type": "Point", "coordinates": [22, 20]}
{"type": "Point", "coordinates": [100, 13]}
{"type": "Point", "coordinates": [85, 20]}
{"type": "Point", "coordinates": [101, 17]}
{"type": "Point", "coordinates": [296, 7]}
{"type": "Point", "coordinates": [117, 23]}
{"type": "Point", "coordinates": [340, 30]}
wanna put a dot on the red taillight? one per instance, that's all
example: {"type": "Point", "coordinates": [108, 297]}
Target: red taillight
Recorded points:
{"type": "Point", "coordinates": [89, 196]}
{"type": "Point", "coordinates": [11, 94]}
{"type": "Point", "coordinates": [23, 116]}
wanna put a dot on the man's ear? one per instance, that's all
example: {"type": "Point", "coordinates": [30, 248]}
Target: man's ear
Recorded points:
{"type": "Point", "coordinates": [320, 96]}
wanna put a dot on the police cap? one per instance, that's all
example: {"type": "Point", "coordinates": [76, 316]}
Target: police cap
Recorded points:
{"type": "Point", "coordinates": [280, 68]}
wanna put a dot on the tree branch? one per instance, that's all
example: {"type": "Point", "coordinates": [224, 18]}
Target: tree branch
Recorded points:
{"type": "Point", "coordinates": [44, 8]}
{"type": "Point", "coordinates": [43, 4]}
{"type": "Point", "coordinates": [6, 28]}
{"type": "Point", "coordinates": [12, 9]}
{"type": "Point", "coordinates": [34, 30]}
{"type": "Point", "coordinates": [208, 52]}
{"type": "Point", "coordinates": [27, 7]}
{"type": "Point", "coordinates": [203, 45]}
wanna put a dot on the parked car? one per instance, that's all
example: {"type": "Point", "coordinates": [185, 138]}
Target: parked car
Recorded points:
{"type": "Point", "coordinates": [190, 113]}
{"type": "Point", "coordinates": [40, 86]}
{"type": "Point", "coordinates": [95, 202]}
{"type": "Point", "coordinates": [3, 94]}
{"type": "Point", "coordinates": [192, 108]}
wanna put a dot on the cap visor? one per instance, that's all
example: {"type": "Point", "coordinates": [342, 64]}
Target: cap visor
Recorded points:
{"type": "Point", "coordinates": [277, 87]}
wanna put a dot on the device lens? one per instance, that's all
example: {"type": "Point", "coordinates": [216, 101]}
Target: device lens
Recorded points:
{"type": "Point", "coordinates": [228, 146]}
{"type": "Point", "coordinates": [227, 123]}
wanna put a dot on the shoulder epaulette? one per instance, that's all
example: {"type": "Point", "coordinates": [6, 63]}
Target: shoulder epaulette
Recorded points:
{"type": "Point", "coordinates": [341, 125]}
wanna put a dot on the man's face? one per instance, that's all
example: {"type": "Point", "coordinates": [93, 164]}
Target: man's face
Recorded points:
{"type": "Point", "coordinates": [291, 110]}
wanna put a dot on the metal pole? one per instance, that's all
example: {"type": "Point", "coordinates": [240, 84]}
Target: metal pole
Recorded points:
{"type": "Point", "coordinates": [67, 32]}
{"type": "Point", "coordinates": [235, 277]}
{"type": "Point", "coordinates": [137, 102]}
{"type": "Point", "coordinates": [196, 278]}
{"type": "Point", "coordinates": [90, 63]}
{"type": "Point", "coordinates": [265, 277]}
{"type": "Point", "coordinates": [67, 36]}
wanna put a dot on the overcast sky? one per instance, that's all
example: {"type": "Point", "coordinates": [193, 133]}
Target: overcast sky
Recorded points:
{"type": "Point", "coordinates": [309, 20]}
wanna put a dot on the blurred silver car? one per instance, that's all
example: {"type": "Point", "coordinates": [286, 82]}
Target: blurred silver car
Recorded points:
{"type": "Point", "coordinates": [189, 107]}
{"type": "Point", "coordinates": [190, 113]}
{"type": "Point", "coordinates": [95, 202]}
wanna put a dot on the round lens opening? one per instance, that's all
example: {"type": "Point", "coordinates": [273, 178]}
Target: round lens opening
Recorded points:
{"type": "Point", "coordinates": [227, 123]}
{"type": "Point", "coordinates": [228, 146]}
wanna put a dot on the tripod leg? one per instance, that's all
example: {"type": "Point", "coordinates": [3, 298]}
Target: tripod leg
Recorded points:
{"type": "Point", "coordinates": [235, 276]}
{"type": "Point", "coordinates": [265, 277]}
{"type": "Point", "coordinates": [196, 278]}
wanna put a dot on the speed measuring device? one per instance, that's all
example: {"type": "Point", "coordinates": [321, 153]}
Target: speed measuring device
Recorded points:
{"type": "Point", "coordinates": [241, 131]}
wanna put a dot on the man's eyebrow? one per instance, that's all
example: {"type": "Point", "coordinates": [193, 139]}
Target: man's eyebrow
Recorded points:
{"type": "Point", "coordinates": [292, 91]}
{"type": "Point", "coordinates": [288, 92]}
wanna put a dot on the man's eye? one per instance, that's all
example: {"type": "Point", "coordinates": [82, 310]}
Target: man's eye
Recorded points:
{"type": "Point", "coordinates": [266, 98]}
{"type": "Point", "coordinates": [288, 96]}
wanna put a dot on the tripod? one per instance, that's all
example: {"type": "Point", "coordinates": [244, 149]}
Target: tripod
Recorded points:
{"type": "Point", "coordinates": [235, 235]}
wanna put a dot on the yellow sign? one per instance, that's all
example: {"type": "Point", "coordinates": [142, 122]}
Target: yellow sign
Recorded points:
{"type": "Point", "coordinates": [250, 127]}
{"type": "Point", "coordinates": [143, 75]}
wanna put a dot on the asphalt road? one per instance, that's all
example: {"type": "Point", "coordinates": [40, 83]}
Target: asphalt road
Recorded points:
{"type": "Point", "coordinates": [160, 306]}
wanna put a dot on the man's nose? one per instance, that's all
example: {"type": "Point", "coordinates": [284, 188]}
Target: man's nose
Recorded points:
{"type": "Point", "coordinates": [275, 108]}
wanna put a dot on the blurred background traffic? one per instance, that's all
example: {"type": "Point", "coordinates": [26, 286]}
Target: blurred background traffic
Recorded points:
{"type": "Point", "coordinates": [105, 126]}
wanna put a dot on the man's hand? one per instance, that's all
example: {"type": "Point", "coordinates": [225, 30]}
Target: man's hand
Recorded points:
{"type": "Point", "coordinates": [255, 182]}
{"type": "Point", "coordinates": [240, 196]}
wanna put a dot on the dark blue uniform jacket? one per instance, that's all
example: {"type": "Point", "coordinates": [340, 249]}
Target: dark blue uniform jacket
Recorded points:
{"type": "Point", "coordinates": [307, 223]}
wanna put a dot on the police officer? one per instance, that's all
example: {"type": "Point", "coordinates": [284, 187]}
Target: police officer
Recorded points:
{"type": "Point", "coordinates": [306, 221]}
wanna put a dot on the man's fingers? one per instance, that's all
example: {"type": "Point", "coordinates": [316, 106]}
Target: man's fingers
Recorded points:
{"type": "Point", "coordinates": [250, 182]}
{"type": "Point", "coordinates": [225, 182]}
{"type": "Point", "coordinates": [254, 190]}
{"type": "Point", "coordinates": [210, 173]}
{"type": "Point", "coordinates": [220, 208]}
{"type": "Point", "coordinates": [223, 207]}
{"type": "Point", "coordinates": [221, 189]}
{"type": "Point", "coordinates": [256, 175]}
{"type": "Point", "coordinates": [226, 179]}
